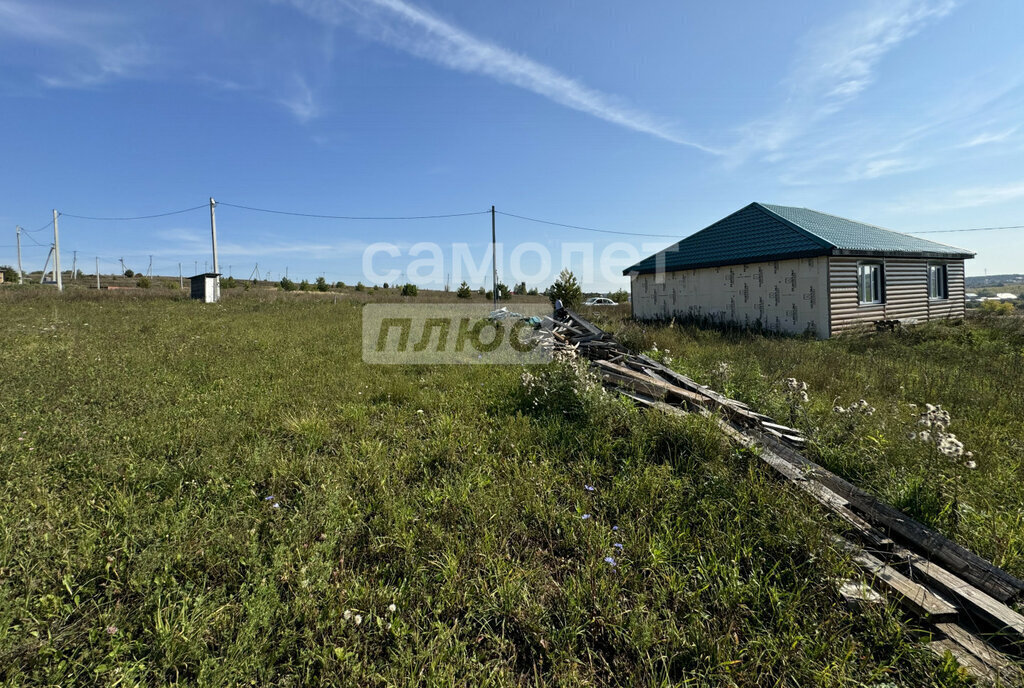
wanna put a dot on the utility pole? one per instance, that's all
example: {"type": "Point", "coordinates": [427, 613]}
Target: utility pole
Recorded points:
{"type": "Point", "coordinates": [123, 269]}
{"type": "Point", "coordinates": [56, 253]}
{"type": "Point", "coordinates": [229, 269]}
{"type": "Point", "coordinates": [149, 270]}
{"type": "Point", "coordinates": [213, 231]}
{"type": "Point", "coordinates": [97, 272]}
{"type": "Point", "coordinates": [494, 262]}
{"type": "Point", "coordinates": [195, 267]}
{"type": "Point", "coordinates": [286, 272]}
{"type": "Point", "coordinates": [181, 280]}
{"type": "Point", "coordinates": [21, 279]}
{"type": "Point", "coordinates": [74, 265]}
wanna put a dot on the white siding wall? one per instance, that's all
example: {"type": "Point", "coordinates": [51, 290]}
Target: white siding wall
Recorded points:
{"type": "Point", "coordinates": [906, 292]}
{"type": "Point", "coordinates": [783, 295]}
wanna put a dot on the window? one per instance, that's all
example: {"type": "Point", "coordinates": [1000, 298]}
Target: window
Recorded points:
{"type": "Point", "coordinates": [870, 283]}
{"type": "Point", "coordinates": [938, 281]}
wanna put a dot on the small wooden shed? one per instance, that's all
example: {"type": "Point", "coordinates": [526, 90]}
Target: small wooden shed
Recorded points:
{"type": "Point", "coordinates": [206, 287]}
{"type": "Point", "coordinates": [799, 270]}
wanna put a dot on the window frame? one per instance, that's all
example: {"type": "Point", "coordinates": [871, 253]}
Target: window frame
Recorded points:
{"type": "Point", "coordinates": [879, 287]}
{"type": "Point", "coordinates": [943, 291]}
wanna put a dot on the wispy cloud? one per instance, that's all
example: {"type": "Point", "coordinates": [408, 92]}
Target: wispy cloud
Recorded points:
{"type": "Point", "coordinates": [836, 65]}
{"type": "Point", "coordinates": [989, 137]}
{"type": "Point", "coordinates": [97, 46]}
{"type": "Point", "coordinates": [406, 27]}
{"type": "Point", "coordinates": [299, 99]}
{"type": "Point", "coordinates": [967, 197]}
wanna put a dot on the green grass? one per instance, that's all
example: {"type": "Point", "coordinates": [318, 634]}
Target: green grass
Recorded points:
{"type": "Point", "coordinates": [143, 434]}
{"type": "Point", "coordinates": [973, 369]}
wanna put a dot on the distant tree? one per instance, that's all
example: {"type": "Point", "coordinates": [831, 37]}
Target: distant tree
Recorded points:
{"type": "Point", "coordinates": [489, 294]}
{"type": "Point", "coordinates": [503, 291]}
{"type": "Point", "coordinates": [360, 286]}
{"type": "Point", "coordinates": [567, 289]}
{"type": "Point", "coordinates": [339, 285]}
{"type": "Point", "coordinates": [304, 285]}
{"type": "Point", "coordinates": [143, 282]}
{"type": "Point", "coordinates": [481, 291]}
{"type": "Point", "coordinates": [10, 274]}
{"type": "Point", "coordinates": [385, 285]}
{"type": "Point", "coordinates": [129, 273]}
{"type": "Point", "coordinates": [620, 296]}
{"type": "Point", "coordinates": [78, 274]}
{"type": "Point", "coordinates": [228, 283]}
{"type": "Point", "coordinates": [532, 292]}
{"type": "Point", "coordinates": [286, 284]}
{"type": "Point", "coordinates": [410, 290]}
{"type": "Point", "coordinates": [321, 284]}
{"type": "Point", "coordinates": [464, 292]}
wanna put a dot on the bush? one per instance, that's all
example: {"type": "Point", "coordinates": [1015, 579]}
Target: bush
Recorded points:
{"type": "Point", "coordinates": [464, 292]}
{"type": "Point", "coordinates": [321, 284]}
{"type": "Point", "coordinates": [143, 282]}
{"type": "Point", "coordinates": [129, 273]}
{"type": "Point", "coordinates": [996, 307]}
{"type": "Point", "coordinates": [567, 289]}
{"type": "Point", "coordinates": [228, 283]}
{"type": "Point", "coordinates": [339, 285]}
{"type": "Point", "coordinates": [620, 296]}
{"type": "Point", "coordinates": [410, 290]}
{"type": "Point", "coordinates": [360, 286]}
{"type": "Point", "coordinates": [304, 285]}
{"type": "Point", "coordinates": [286, 284]}
{"type": "Point", "coordinates": [503, 291]}
{"type": "Point", "coordinates": [10, 274]}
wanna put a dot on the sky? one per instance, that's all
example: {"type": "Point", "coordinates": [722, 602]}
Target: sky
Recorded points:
{"type": "Point", "coordinates": [653, 118]}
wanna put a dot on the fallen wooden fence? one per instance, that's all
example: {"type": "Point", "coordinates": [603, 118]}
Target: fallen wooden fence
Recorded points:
{"type": "Point", "coordinates": [963, 597]}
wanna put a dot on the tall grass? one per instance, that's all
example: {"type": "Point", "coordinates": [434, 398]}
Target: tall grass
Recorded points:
{"type": "Point", "coordinates": [224, 494]}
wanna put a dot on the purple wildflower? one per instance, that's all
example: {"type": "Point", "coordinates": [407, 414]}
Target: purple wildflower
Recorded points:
{"type": "Point", "coordinates": [585, 516]}
{"type": "Point", "coordinates": [589, 488]}
{"type": "Point", "coordinates": [615, 528]}
{"type": "Point", "coordinates": [618, 546]}
{"type": "Point", "coordinates": [610, 561]}
{"type": "Point", "coordinates": [268, 498]}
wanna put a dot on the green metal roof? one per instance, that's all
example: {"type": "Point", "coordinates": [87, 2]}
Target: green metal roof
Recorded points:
{"type": "Point", "coordinates": [762, 232]}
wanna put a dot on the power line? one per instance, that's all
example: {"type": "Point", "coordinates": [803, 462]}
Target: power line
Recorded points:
{"type": "Point", "coordinates": [351, 217]}
{"type": "Point", "coordinates": [970, 229]}
{"type": "Point", "coordinates": [586, 229]}
{"type": "Point", "coordinates": [33, 231]}
{"type": "Point", "coordinates": [137, 217]}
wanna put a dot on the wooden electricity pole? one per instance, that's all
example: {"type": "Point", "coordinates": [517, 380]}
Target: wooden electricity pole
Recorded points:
{"type": "Point", "coordinates": [494, 262]}
{"type": "Point", "coordinates": [21, 279]}
{"type": "Point", "coordinates": [56, 253]}
{"type": "Point", "coordinates": [97, 272]}
{"type": "Point", "coordinates": [213, 231]}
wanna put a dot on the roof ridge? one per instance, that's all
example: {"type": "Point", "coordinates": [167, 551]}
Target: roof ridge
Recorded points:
{"type": "Point", "coordinates": [866, 224]}
{"type": "Point", "coordinates": [818, 239]}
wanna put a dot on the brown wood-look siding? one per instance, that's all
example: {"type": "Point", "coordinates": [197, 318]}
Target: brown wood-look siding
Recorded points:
{"type": "Point", "coordinates": [906, 292]}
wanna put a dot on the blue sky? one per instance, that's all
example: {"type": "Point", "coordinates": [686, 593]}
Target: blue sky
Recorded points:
{"type": "Point", "coordinates": [657, 117]}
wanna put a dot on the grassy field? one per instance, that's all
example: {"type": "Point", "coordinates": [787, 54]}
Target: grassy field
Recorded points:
{"type": "Point", "coordinates": [225, 495]}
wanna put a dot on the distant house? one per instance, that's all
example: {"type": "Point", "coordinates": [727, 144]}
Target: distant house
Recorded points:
{"type": "Point", "coordinates": [799, 270]}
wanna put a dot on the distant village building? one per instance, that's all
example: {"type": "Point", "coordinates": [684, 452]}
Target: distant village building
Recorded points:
{"type": "Point", "coordinates": [799, 270]}
{"type": "Point", "coordinates": [206, 287]}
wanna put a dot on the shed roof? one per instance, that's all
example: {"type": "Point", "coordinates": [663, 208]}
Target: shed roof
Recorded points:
{"type": "Point", "coordinates": [762, 232]}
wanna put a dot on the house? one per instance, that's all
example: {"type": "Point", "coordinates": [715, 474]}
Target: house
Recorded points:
{"type": "Point", "coordinates": [206, 287]}
{"type": "Point", "coordinates": [799, 270]}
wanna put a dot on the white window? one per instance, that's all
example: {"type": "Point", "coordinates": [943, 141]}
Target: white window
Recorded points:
{"type": "Point", "coordinates": [938, 281]}
{"type": "Point", "coordinates": [870, 283]}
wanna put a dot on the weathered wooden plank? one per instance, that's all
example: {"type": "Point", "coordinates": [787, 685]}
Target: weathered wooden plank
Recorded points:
{"type": "Point", "coordinates": [955, 558]}
{"type": "Point", "coordinates": [1003, 620]}
{"type": "Point", "coordinates": [974, 666]}
{"type": "Point", "coordinates": [994, 660]}
{"type": "Point", "coordinates": [914, 596]}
